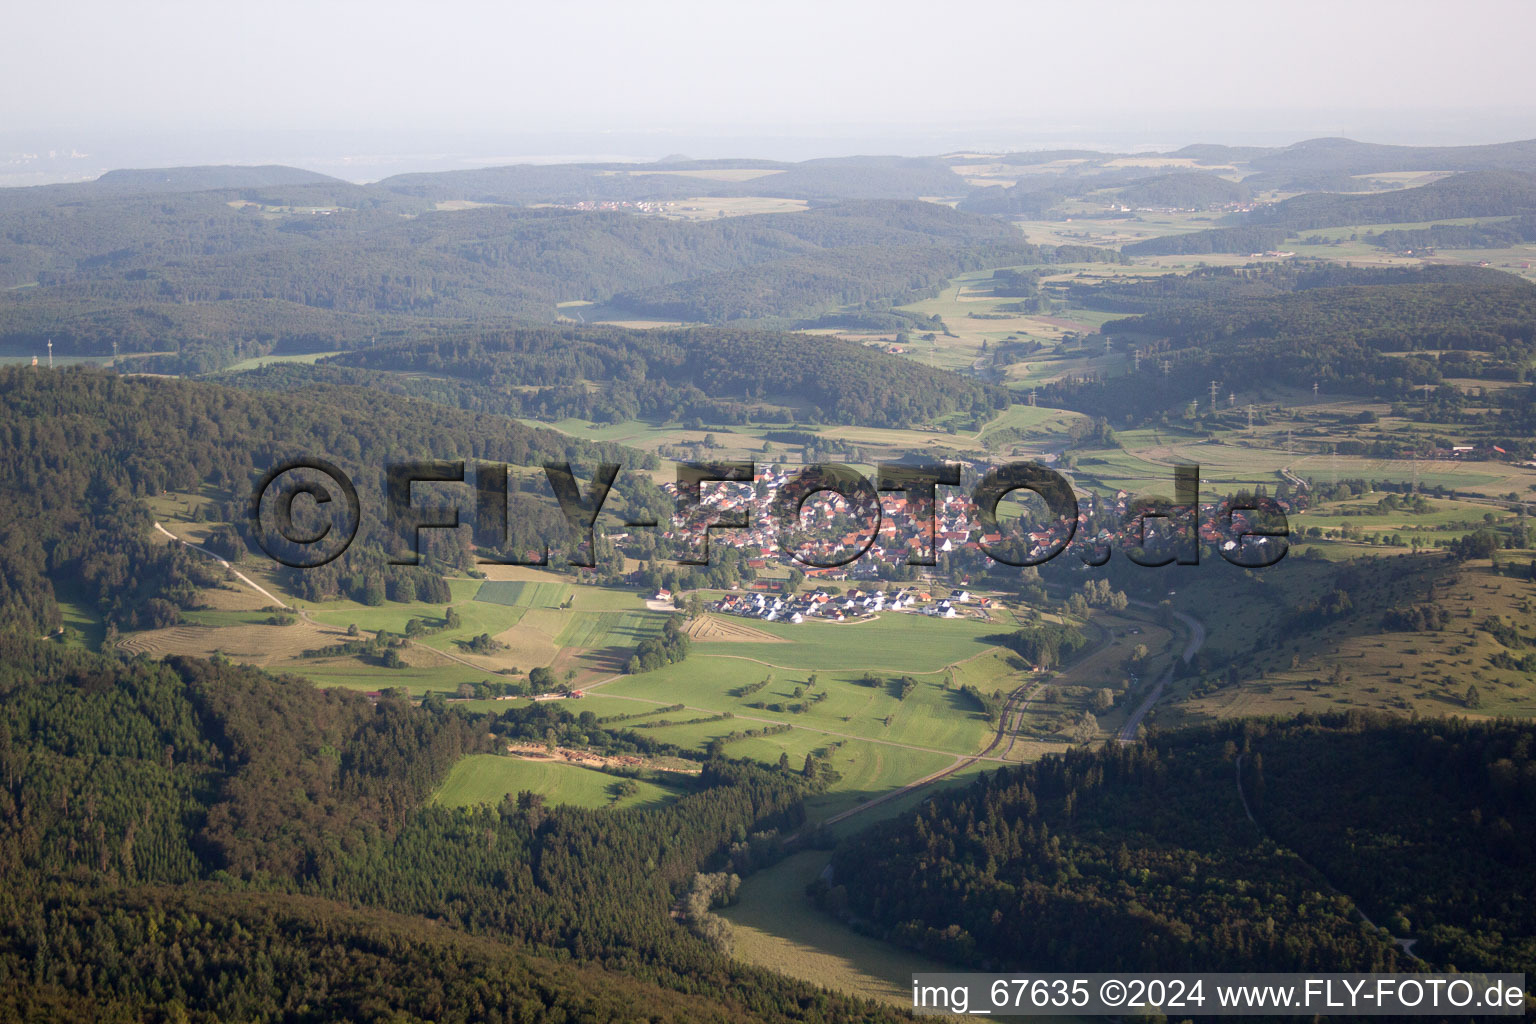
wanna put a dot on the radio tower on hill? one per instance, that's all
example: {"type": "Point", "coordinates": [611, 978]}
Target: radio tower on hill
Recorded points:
{"type": "Point", "coordinates": [50, 353]}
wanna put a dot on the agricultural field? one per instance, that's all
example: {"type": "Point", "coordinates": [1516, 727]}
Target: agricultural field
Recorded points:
{"type": "Point", "coordinates": [256, 362]}
{"type": "Point", "coordinates": [523, 593]}
{"type": "Point", "coordinates": [1113, 232]}
{"type": "Point", "coordinates": [933, 717]}
{"type": "Point", "coordinates": [489, 778]}
{"type": "Point", "coordinates": [1364, 517]}
{"type": "Point", "coordinates": [973, 318]}
{"type": "Point", "coordinates": [713, 207]}
{"type": "Point", "coordinates": [709, 628]}
{"type": "Point", "coordinates": [892, 642]}
{"type": "Point", "coordinates": [239, 641]}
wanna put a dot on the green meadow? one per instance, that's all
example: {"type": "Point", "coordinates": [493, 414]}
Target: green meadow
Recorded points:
{"type": "Point", "coordinates": [523, 593]}
{"type": "Point", "coordinates": [488, 778]}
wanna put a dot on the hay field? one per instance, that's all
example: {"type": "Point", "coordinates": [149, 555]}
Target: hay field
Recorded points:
{"type": "Point", "coordinates": [256, 644]}
{"type": "Point", "coordinates": [729, 629]}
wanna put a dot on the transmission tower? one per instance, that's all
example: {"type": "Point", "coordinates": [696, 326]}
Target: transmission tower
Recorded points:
{"type": "Point", "coordinates": [1250, 417]}
{"type": "Point", "coordinates": [1215, 386]}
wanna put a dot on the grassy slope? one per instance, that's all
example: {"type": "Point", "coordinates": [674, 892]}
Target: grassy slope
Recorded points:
{"type": "Point", "coordinates": [487, 778]}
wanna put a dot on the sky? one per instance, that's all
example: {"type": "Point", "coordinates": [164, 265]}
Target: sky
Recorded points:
{"type": "Point", "coordinates": [493, 73]}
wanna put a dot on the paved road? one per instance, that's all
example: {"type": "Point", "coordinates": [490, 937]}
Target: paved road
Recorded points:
{"type": "Point", "coordinates": [1196, 641]}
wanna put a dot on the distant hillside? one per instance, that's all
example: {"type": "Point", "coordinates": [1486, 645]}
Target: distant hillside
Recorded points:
{"type": "Point", "coordinates": [1473, 194]}
{"type": "Point", "coordinates": [1372, 332]}
{"type": "Point", "coordinates": [611, 374]}
{"type": "Point", "coordinates": [1314, 165]}
{"type": "Point", "coordinates": [1246, 239]}
{"type": "Point", "coordinates": [860, 177]}
{"type": "Point", "coordinates": [189, 179]}
{"type": "Point", "coordinates": [1488, 235]}
{"type": "Point", "coordinates": [219, 274]}
{"type": "Point", "coordinates": [1351, 157]}
{"type": "Point", "coordinates": [1185, 190]}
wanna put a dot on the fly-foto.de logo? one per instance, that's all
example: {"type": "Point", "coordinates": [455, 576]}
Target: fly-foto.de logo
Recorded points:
{"type": "Point", "coordinates": [306, 512]}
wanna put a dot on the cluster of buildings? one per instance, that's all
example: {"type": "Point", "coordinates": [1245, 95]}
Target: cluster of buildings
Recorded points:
{"type": "Point", "coordinates": [616, 206]}
{"type": "Point", "coordinates": [842, 533]}
{"type": "Point", "coordinates": [842, 528]}
{"type": "Point", "coordinates": [854, 604]}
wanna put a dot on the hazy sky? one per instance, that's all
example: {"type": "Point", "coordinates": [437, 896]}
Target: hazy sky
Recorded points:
{"type": "Point", "coordinates": [593, 66]}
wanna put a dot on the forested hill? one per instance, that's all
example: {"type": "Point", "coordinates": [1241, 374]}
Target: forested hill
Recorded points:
{"type": "Point", "coordinates": [220, 275]}
{"type": "Point", "coordinates": [84, 447]}
{"type": "Point", "coordinates": [857, 177]}
{"type": "Point", "coordinates": [192, 179]}
{"type": "Point", "coordinates": [1498, 193]}
{"type": "Point", "coordinates": [1347, 156]}
{"type": "Point", "coordinates": [1142, 858]}
{"type": "Point", "coordinates": [1474, 194]}
{"type": "Point", "coordinates": [714, 374]}
{"type": "Point", "coordinates": [196, 841]}
{"type": "Point", "coordinates": [1187, 190]}
{"type": "Point", "coordinates": [1377, 333]}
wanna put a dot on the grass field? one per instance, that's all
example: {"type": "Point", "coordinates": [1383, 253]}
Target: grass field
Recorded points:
{"type": "Point", "coordinates": [488, 778]}
{"type": "Point", "coordinates": [893, 642]}
{"type": "Point", "coordinates": [932, 718]}
{"type": "Point", "coordinates": [260, 361]}
{"type": "Point", "coordinates": [523, 594]}
{"type": "Point", "coordinates": [240, 642]}
{"type": "Point", "coordinates": [775, 926]}
{"type": "Point", "coordinates": [609, 629]}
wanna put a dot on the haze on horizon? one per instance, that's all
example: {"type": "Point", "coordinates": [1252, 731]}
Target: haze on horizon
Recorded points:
{"type": "Point", "coordinates": [477, 82]}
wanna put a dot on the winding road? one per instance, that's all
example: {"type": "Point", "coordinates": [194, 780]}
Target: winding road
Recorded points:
{"type": "Point", "coordinates": [1196, 641]}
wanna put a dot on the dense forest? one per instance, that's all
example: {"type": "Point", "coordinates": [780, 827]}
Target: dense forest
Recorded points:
{"type": "Point", "coordinates": [1380, 333]}
{"type": "Point", "coordinates": [1186, 190]}
{"type": "Point", "coordinates": [1494, 235]}
{"type": "Point", "coordinates": [85, 446]}
{"type": "Point", "coordinates": [212, 277]}
{"type": "Point", "coordinates": [719, 375]}
{"type": "Point", "coordinates": [196, 841]}
{"type": "Point", "coordinates": [1245, 239]}
{"type": "Point", "coordinates": [1474, 194]}
{"type": "Point", "coordinates": [1143, 857]}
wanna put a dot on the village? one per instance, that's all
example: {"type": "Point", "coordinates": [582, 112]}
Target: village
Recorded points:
{"type": "Point", "coordinates": [853, 604]}
{"type": "Point", "coordinates": [848, 551]}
